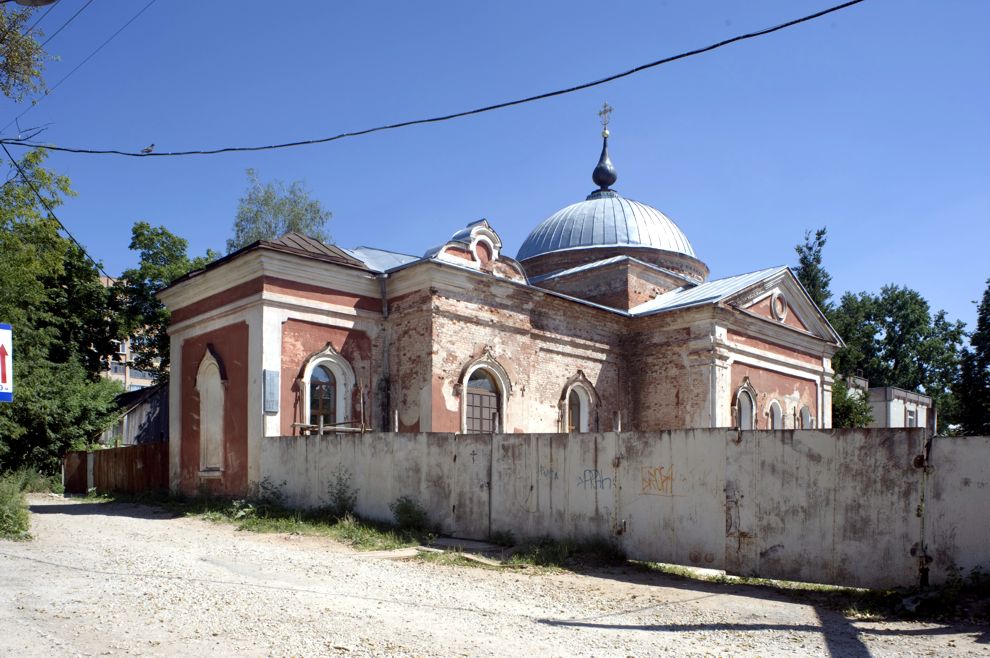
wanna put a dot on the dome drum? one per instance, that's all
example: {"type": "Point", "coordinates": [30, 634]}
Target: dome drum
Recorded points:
{"type": "Point", "coordinates": [557, 261]}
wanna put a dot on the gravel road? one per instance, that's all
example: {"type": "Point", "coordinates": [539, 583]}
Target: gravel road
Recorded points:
{"type": "Point", "coordinates": [116, 579]}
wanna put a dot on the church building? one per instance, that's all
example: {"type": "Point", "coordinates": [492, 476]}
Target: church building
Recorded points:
{"type": "Point", "coordinates": [605, 320]}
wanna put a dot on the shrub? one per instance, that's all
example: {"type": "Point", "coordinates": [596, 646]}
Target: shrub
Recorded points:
{"type": "Point", "coordinates": [409, 515]}
{"type": "Point", "coordinates": [13, 508]}
{"type": "Point", "coordinates": [343, 497]}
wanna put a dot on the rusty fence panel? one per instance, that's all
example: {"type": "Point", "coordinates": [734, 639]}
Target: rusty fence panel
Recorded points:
{"type": "Point", "coordinates": [131, 469]}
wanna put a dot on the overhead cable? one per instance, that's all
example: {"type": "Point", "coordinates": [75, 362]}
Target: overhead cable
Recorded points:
{"type": "Point", "coordinates": [65, 24]}
{"type": "Point", "coordinates": [51, 213]}
{"type": "Point", "coordinates": [79, 65]}
{"type": "Point", "coordinates": [438, 119]}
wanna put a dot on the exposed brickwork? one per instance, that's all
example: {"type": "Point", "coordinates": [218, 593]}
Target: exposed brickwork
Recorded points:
{"type": "Point", "coordinates": [562, 260]}
{"type": "Point", "coordinates": [620, 285]}
{"type": "Point", "coordinates": [302, 339]}
{"type": "Point", "coordinates": [762, 309]}
{"type": "Point", "coordinates": [539, 342]}
{"type": "Point", "coordinates": [410, 350]}
{"type": "Point", "coordinates": [791, 392]}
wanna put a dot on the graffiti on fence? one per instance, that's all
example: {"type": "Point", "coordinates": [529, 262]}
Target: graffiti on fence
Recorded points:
{"type": "Point", "coordinates": [658, 481]}
{"type": "Point", "coordinates": [548, 473]}
{"type": "Point", "coordinates": [592, 478]}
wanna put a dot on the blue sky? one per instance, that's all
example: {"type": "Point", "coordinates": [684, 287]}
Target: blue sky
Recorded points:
{"type": "Point", "coordinates": [874, 121]}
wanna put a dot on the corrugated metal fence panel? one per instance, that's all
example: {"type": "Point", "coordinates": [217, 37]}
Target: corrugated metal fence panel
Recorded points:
{"type": "Point", "coordinates": [131, 469]}
{"type": "Point", "coordinates": [74, 472]}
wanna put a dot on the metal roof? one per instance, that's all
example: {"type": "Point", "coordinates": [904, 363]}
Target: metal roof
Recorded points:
{"type": "Point", "coordinates": [607, 261]}
{"type": "Point", "coordinates": [709, 292]}
{"type": "Point", "coordinates": [380, 260]}
{"type": "Point", "coordinates": [605, 219]}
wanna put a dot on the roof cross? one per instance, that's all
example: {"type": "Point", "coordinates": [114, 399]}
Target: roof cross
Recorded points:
{"type": "Point", "coordinates": [604, 114]}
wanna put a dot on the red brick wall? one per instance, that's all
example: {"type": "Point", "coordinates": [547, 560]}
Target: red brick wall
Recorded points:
{"type": "Point", "coordinates": [302, 339]}
{"type": "Point", "coordinates": [231, 346]}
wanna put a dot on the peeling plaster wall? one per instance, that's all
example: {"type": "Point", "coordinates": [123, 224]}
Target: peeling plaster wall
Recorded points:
{"type": "Point", "coordinates": [410, 354]}
{"type": "Point", "coordinates": [956, 502]}
{"type": "Point", "coordinates": [540, 343]}
{"type": "Point", "coordinates": [837, 507]}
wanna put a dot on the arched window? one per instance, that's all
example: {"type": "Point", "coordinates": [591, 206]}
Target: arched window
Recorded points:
{"type": "Point", "coordinates": [806, 418]}
{"type": "Point", "coordinates": [210, 384]}
{"type": "Point", "coordinates": [776, 417]}
{"type": "Point", "coordinates": [325, 386]}
{"type": "Point", "coordinates": [744, 410]}
{"type": "Point", "coordinates": [322, 397]}
{"type": "Point", "coordinates": [578, 410]}
{"type": "Point", "coordinates": [483, 403]}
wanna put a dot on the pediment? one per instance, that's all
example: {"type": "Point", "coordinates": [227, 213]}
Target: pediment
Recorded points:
{"type": "Point", "coordinates": [782, 300]}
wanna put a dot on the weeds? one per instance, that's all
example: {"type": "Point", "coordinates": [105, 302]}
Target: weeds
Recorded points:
{"type": "Point", "coordinates": [13, 508]}
{"type": "Point", "coordinates": [14, 518]}
{"type": "Point", "coordinates": [568, 554]}
{"type": "Point", "coordinates": [343, 497]}
{"type": "Point", "coordinates": [409, 515]}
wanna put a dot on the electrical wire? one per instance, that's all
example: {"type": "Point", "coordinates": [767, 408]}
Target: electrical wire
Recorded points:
{"type": "Point", "coordinates": [42, 17]}
{"type": "Point", "coordinates": [66, 23]}
{"type": "Point", "coordinates": [51, 213]}
{"type": "Point", "coordinates": [79, 65]}
{"type": "Point", "coordinates": [446, 117]}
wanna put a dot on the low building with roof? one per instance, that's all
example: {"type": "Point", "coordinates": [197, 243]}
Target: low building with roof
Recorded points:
{"type": "Point", "coordinates": [605, 320]}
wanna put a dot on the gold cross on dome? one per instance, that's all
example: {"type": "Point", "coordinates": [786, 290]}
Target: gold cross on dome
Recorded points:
{"type": "Point", "coordinates": [603, 113]}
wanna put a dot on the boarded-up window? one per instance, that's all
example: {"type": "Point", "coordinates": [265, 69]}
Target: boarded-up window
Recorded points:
{"type": "Point", "coordinates": [209, 384]}
{"type": "Point", "coordinates": [482, 403]}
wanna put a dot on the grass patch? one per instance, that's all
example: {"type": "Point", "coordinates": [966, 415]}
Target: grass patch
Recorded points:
{"type": "Point", "coordinates": [269, 515]}
{"type": "Point", "coordinates": [567, 554]}
{"type": "Point", "coordinates": [14, 518]}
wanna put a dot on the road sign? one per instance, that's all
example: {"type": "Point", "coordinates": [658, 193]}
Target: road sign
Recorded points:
{"type": "Point", "coordinates": [6, 363]}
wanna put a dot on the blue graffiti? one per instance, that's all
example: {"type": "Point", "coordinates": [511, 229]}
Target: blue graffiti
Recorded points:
{"type": "Point", "coordinates": [594, 479]}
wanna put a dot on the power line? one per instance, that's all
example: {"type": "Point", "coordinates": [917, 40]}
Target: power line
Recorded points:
{"type": "Point", "coordinates": [80, 64]}
{"type": "Point", "coordinates": [51, 213]}
{"type": "Point", "coordinates": [447, 117]}
{"type": "Point", "coordinates": [66, 23]}
{"type": "Point", "coordinates": [42, 17]}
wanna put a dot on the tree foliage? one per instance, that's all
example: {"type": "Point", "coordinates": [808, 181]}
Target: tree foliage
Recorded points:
{"type": "Point", "coordinates": [268, 210]}
{"type": "Point", "coordinates": [892, 339]}
{"type": "Point", "coordinates": [973, 389]}
{"type": "Point", "coordinates": [163, 259]}
{"type": "Point", "coordinates": [849, 409]}
{"type": "Point", "coordinates": [63, 330]}
{"type": "Point", "coordinates": [22, 58]}
{"type": "Point", "coordinates": [810, 271]}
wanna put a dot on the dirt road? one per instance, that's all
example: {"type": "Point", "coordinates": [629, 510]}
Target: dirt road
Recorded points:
{"type": "Point", "coordinates": [115, 579]}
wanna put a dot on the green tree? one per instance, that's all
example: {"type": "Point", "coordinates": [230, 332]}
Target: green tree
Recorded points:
{"type": "Point", "coordinates": [163, 259]}
{"type": "Point", "coordinates": [268, 210]}
{"type": "Point", "coordinates": [22, 58]}
{"type": "Point", "coordinates": [849, 409]}
{"type": "Point", "coordinates": [892, 339]}
{"type": "Point", "coordinates": [810, 271]}
{"type": "Point", "coordinates": [52, 296]}
{"type": "Point", "coordinates": [973, 389]}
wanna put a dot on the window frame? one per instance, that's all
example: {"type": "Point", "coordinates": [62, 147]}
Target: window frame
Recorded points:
{"type": "Point", "coordinates": [341, 369]}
